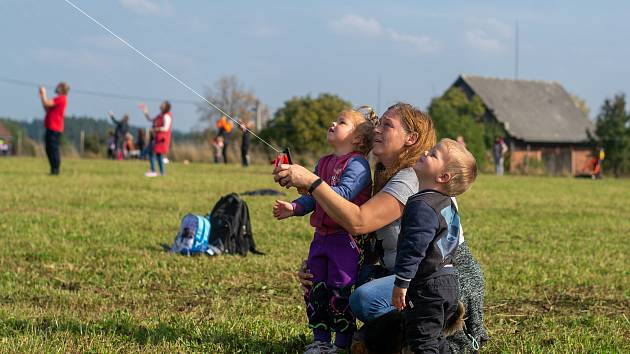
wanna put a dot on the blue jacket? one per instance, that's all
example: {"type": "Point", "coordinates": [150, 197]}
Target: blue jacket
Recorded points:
{"type": "Point", "coordinates": [428, 238]}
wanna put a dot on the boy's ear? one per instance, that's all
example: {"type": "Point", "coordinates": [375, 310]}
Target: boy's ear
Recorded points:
{"type": "Point", "coordinates": [444, 178]}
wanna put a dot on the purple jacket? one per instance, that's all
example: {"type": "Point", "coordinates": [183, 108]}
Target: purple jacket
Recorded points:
{"type": "Point", "coordinates": [349, 176]}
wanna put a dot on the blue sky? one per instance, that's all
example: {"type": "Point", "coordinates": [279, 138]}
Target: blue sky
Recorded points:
{"type": "Point", "coordinates": [281, 49]}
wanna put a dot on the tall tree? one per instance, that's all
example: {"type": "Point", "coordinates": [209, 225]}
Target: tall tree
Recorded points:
{"type": "Point", "coordinates": [230, 95]}
{"type": "Point", "coordinates": [303, 121]}
{"type": "Point", "coordinates": [454, 115]}
{"type": "Point", "coordinates": [613, 134]}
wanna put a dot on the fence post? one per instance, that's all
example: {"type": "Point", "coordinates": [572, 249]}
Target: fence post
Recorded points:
{"type": "Point", "coordinates": [82, 143]}
{"type": "Point", "coordinates": [19, 144]}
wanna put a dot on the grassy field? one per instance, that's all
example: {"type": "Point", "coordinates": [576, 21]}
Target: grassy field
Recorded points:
{"type": "Point", "coordinates": [82, 268]}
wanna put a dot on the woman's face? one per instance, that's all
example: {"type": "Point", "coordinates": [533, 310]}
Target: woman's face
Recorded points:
{"type": "Point", "coordinates": [389, 136]}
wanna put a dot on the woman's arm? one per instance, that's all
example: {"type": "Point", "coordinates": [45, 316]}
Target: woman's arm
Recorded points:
{"type": "Point", "coordinates": [381, 210]}
{"type": "Point", "coordinates": [111, 116]}
{"type": "Point", "coordinates": [46, 103]}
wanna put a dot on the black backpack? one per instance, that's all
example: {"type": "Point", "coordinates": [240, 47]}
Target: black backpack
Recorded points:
{"type": "Point", "coordinates": [231, 229]}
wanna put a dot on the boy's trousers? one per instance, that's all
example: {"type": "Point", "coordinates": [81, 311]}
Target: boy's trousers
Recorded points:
{"type": "Point", "coordinates": [430, 304]}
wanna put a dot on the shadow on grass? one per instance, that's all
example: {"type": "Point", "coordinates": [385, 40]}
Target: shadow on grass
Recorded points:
{"type": "Point", "coordinates": [230, 337]}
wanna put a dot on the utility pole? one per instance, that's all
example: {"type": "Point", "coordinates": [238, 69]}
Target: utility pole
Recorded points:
{"type": "Point", "coordinates": [258, 116]}
{"type": "Point", "coordinates": [378, 96]}
{"type": "Point", "coordinates": [516, 52]}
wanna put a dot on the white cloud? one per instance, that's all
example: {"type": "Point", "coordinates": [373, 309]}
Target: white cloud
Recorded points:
{"type": "Point", "coordinates": [357, 25]}
{"type": "Point", "coordinates": [146, 7]}
{"type": "Point", "coordinates": [69, 58]}
{"type": "Point", "coordinates": [369, 27]}
{"type": "Point", "coordinates": [488, 35]}
{"type": "Point", "coordinates": [480, 40]}
{"type": "Point", "coordinates": [100, 41]}
{"type": "Point", "coordinates": [424, 43]}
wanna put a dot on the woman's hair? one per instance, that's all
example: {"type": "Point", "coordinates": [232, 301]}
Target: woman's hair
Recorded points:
{"type": "Point", "coordinates": [412, 120]}
{"type": "Point", "coordinates": [363, 119]}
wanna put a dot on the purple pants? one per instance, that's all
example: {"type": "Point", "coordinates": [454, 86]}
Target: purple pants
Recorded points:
{"type": "Point", "coordinates": [333, 260]}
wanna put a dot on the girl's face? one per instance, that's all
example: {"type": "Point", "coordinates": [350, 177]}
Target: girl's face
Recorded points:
{"type": "Point", "coordinates": [389, 136]}
{"type": "Point", "coordinates": [341, 131]}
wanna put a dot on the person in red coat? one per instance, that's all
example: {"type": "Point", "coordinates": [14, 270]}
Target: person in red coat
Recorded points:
{"type": "Point", "coordinates": [55, 109]}
{"type": "Point", "coordinates": [161, 129]}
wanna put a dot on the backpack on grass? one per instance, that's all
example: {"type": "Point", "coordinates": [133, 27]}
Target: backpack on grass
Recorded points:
{"type": "Point", "coordinates": [193, 236]}
{"type": "Point", "coordinates": [231, 229]}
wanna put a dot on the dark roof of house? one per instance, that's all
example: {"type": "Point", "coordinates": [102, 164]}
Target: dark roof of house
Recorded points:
{"type": "Point", "coordinates": [4, 132]}
{"type": "Point", "coordinates": [535, 111]}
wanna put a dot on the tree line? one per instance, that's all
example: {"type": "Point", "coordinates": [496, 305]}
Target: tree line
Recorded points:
{"type": "Point", "coordinates": [302, 121]}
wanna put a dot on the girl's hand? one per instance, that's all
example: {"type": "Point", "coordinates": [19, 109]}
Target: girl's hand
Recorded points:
{"type": "Point", "coordinates": [42, 91]}
{"type": "Point", "coordinates": [398, 297]}
{"type": "Point", "coordinates": [283, 210]}
{"type": "Point", "coordinates": [305, 276]}
{"type": "Point", "coordinates": [294, 176]}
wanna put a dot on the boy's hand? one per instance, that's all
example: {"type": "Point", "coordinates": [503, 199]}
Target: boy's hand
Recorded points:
{"type": "Point", "coordinates": [282, 210]}
{"type": "Point", "coordinates": [42, 91]}
{"type": "Point", "coordinates": [398, 297]}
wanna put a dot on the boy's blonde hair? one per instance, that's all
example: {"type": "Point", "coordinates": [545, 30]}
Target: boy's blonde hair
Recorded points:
{"type": "Point", "coordinates": [461, 165]}
{"type": "Point", "coordinates": [363, 127]}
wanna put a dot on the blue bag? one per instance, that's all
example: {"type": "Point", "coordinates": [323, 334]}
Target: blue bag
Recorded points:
{"type": "Point", "coordinates": [193, 235]}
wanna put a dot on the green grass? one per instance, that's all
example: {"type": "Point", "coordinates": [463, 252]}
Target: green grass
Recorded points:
{"type": "Point", "coordinates": [82, 268]}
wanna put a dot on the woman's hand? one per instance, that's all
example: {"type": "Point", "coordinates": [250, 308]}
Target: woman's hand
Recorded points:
{"type": "Point", "coordinates": [283, 210]}
{"type": "Point", "coordinates": [398, 297]}
{"type": "Point", "coordinates": [294, 176]}
{"type": "Point", "coordinates": [305, 276]}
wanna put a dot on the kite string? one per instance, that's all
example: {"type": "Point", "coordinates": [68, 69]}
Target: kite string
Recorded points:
{"type": "Point", "coordinates": [168, 73]}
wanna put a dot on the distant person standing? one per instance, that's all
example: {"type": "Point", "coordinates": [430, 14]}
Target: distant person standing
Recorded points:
{"type": "Point", "coordinates": [161, 128]}
{"type": "Point", "coordinates": [217, 149]}
{"type": "Point", "coordinates": [245, 129]}
{"type": "Point", "coordinates": [224, 128]}
{"type": "Point", "coordinates": [141, 142]}
{"type": "Point", "coordinates": [120, 133]}
{"type": "Point", "coordinates": [499, 149]}
{"type": "Point", "coordinates": [55, 109]}
{"type": "Point", "coordinates": [111, 145]}
{"type": "Point", "coordinates": [599, 173]}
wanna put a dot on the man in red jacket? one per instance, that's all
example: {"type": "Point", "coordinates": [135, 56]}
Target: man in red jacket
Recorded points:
{"type": "Point", "coordinates": [53, 122]}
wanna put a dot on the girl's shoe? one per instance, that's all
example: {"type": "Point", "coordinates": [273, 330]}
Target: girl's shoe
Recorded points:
{"type": "Point", "coordinates": [150, 174]}
{"type": "Point", "coordinates": [318, 347]}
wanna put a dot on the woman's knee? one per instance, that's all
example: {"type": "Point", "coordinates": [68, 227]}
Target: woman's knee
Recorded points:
{"type": "Point", "coordinates": [358, 300]}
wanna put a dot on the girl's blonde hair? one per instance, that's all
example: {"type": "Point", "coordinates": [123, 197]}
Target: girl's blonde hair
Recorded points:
{"type": "Point", "coordinates": [363, 118]}
{"type": "Point", "coordinates": [413, 120]}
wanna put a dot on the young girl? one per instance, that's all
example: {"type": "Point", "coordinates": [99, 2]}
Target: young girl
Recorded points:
{"type": "Point", "coordinates": [333, 256]}
{"type": "Point", "coordinates": [161, 129]}
{"type": "Point", "coordinates": [217, 149]}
